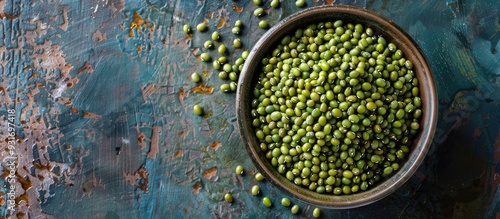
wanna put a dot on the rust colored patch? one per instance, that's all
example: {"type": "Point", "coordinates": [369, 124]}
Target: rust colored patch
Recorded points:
{"type": "Point", "coordinates": [194, 51]}
{"type": "Point", "coordinates": [85, 68]}
{"type": "Point", "coordinates": [216, 145]}
{"type": "Point", "coordinates": [141, 138]}
{"type": "Point", "coordinates": [68, 147]}
{"type": "Point", "coordinates": [68, 103]}
{"type": "Point", "coordinates": [140, 178]}
{"type": "Point", "coordinates": [211, 15]}
{"type": "Point", "coordinates": [73, 110]}
{"type": "Point", "coordinates": [329, 1]}
{"type": "Point", "coordinates": [139, 48]}
{"type": "Point", "coordinates": [90, 115]}
{"type": "Point", "coordinates": [69, 85]}
{"type": "Point", "coordinates": [196, 188]}
{"type": "Point", "coordinates": [143, 173]}
{"type": "Point", "coordinates": [27, 68]}
{"type": "Point", "coordinates": [181, 95]}
{"type": "Point", "coordinates": [23, 197]}
{"type": "Point", "coordinates": [42, 167]}
{"type": "Point", "coordinates": [99, 36]}
{"type": "Point", "coordinates": [178, 153]}
{"type": "Point", "coordinates": [208, 174]}
{"type": "Point", "coordinates": [236, 8]}
{"type": "Point", "coordinates": [136, 23]}
{"type": "Point", "coordinates": [202, 89]}
{"type": "Point", "coordinates": [8, 16]}
{"type": "Point", "coordinates": [221, 23]}
{"type": "Point", "coordinates": [64, 26]}
{"type": "Point", "coordinates": [154, 142]}
{"type": "Point", "coordinates": [32, 76]}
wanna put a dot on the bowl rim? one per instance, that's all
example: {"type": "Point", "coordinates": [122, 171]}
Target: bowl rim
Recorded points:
{"type": "Point", "coordinates": [426, 83]}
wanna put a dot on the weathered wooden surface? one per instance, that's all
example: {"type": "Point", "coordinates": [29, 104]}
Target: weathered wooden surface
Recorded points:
{"type": "Point", "coordinates": [104, 127]}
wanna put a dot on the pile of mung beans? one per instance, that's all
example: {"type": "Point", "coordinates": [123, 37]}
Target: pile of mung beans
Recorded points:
{"type": "Point", "coordinates": [336, 107]}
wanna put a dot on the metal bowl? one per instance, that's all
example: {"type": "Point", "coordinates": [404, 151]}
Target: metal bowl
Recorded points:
{"type": "Point", "coordinates": [392, 33]}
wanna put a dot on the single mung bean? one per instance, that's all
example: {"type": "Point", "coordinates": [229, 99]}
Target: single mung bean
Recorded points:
{"type": "Point", "coordinates": [237, 43]}
{"type": "Point", "coordinates": [186, 28]}
{"type": "Point", "coordinates": [267, 202]}
{"type": "Point", "coordinates": [239, 170]}
{"type": "Point", "coordinates": [225, 87]}
{"type": "Point", "coordinates": [316, 212]}
{"type": "Point", "coordinates": [238, 23]}
{"type": "Point", "coordinates": [285, 202]}
{"type": "Point", "coordinates": [195, 77]}
{"type": "Point", "coordinates": [228, 197]}
{"type": "Point", "coordinates": [295, 209]}
{"type": "Point", "coordinates": [198, 110]}
{"type": "Point", "coordinates": [300, 3]}
{"type": "Point", "coordinates": [233, 86]}
{"type": "Point", "coordinates": [255, 190]}
{"type": "Point", "coordinates": [257, 2]}
{"type": "Point", "coordinates": [263, 24]}
{"type": "Point", "coordinates": [205, 57]}
{"type": "Point", "coordinates": [236, 30]}
{"type": "Point", "coordinates": [222, 48]}
{"type": "Point", "coordinates": [244, 54]}
{"type": "Point", "coordinates": [201, 27]}
{"type": "Point", "coordinates": [258, 12]}
{"type": "Point", "coordinates": [208, 44]}
{"type": "Point", "coordinates": [222, 59]}
{"type": "Point", "coordinates": [259, 177]}
{"type": "Point", "coordinates": [223, 75]}
{"type": "Point", "coordinates": [275, 3]}
{"type": "Point", "coordinates": [215, 36]}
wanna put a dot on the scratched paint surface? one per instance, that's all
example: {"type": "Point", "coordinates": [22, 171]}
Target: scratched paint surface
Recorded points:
{"type": "Point", "coordinates": [105, 129]}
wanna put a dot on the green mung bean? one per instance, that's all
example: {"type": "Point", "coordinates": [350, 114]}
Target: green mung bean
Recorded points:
{"type": "Point", "coordinates": [275, 3]}
{"type": "Point", "coordinates": [195, 77]}
{"type": "Point", "coordinates": [263, 24]}
{"type": "Point", "coordinates": [198, 110]}
{"type": "Point", "coordinates": [239, 170]}
{"type": "Point", "coordinates": [258, 12]}
{"type": "Point", "coordinates": [285, 202]}
{"type": "Point", "coordinates": [255, 190]}
{"type": "Point", "coordinates": [208, 44]}
{"type": "Point", "coordinates": [228, 197]}
{"type": "Point", "coordinates": [267, 202]}
{"type": "Point", "coordinates": [186, 28]}
{"type": "Point", "coordinates": [316, 212]}
{"type": "Point", "coordinates": [201, 27]}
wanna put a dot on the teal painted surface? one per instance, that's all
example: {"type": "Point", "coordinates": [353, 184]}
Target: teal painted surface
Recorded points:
{"type": "Point", "coordinates": [105, 125]}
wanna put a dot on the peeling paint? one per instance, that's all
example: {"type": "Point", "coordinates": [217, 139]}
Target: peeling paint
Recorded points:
{"type": "Point", "coordinates": [210, 173]}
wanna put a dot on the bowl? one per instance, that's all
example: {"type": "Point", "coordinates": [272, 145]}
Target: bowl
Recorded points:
{"type": "Point", "coordinates": [389, 31]}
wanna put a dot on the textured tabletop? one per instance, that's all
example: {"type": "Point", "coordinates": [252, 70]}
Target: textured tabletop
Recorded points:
{"type": "Point", "coordinates": [96, 111]}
